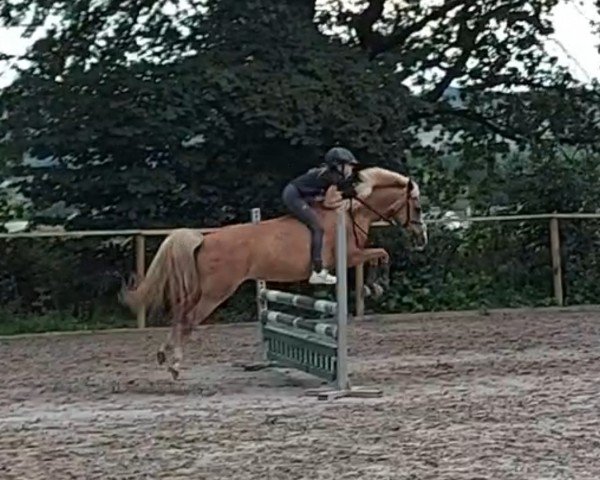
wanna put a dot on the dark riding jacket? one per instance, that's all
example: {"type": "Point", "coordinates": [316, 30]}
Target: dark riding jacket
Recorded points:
{"type": "Point", "coordinates": [313, 184]}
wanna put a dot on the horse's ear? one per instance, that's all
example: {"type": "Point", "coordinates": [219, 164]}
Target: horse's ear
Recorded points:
{"type": "Point", "coordinates": [411, 185]}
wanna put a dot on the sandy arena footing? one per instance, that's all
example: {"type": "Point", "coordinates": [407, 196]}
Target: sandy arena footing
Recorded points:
{"type": "Point", "coordinates": [497, 397]}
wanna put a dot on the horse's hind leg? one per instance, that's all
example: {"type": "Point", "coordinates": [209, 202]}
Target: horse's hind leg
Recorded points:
{"type": "Point", "coordinates": [181, 332]}
{"type": "Point", "coordinates": [184, 328]}
{"type": "Point", "coordinates": [167, 345]}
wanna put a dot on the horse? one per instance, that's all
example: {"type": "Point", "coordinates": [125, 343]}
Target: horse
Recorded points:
{"type": "Point", "coordinates": [192, 274]}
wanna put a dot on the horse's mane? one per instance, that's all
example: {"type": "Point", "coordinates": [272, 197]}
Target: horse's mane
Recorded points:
{"type": "Point", "coordinates": [368, 179]}
{"type": "Point", "coordinates": [373, 177]}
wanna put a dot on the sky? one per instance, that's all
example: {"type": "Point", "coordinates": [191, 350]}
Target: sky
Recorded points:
{"type": "Point", "coordinates": [573, 42]}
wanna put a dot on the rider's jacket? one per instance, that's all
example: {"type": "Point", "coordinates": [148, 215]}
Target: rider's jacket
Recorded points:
{"type": "Point", "coordinates": [313, 184]}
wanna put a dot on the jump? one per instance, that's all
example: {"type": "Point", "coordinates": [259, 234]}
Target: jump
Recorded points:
{"type": "Point", "coordinates": [192, 274]}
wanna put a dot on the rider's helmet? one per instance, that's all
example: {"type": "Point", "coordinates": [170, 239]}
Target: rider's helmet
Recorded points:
{"type": "Point", "coordinates": [338, 156]}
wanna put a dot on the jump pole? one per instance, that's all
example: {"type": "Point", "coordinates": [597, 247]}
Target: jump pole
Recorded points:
{"type": "Point", "coordinates": [319, 347]}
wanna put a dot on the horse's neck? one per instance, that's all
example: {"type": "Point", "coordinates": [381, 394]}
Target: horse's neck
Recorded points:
{"type": "Point", "coordinates": [383, 198]}
{"type": "Point", "coordinates": [379, 203]}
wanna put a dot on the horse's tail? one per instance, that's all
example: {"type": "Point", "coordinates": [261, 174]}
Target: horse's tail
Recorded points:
{"type": "Point", "coordinates": [172, 276]}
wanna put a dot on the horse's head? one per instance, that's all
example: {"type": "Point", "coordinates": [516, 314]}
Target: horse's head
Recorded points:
{"type": "Point", "coordinates": [395, 198]}
{"type": "Point", "coordinates": [411, 216]}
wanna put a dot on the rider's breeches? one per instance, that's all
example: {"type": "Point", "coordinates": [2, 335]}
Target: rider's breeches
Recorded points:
{"type": "Point", "coordinates": [304, 212]}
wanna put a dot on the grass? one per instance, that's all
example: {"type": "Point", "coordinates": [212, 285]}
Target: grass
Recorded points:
{"type": "Point", "coordinates": [13, 324]}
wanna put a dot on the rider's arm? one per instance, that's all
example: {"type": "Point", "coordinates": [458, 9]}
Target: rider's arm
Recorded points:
{"type": "Point", "coordinates": [346, 187]}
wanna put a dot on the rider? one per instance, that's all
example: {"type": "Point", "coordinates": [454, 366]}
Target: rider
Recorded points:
{"type": "Point", "coordinates": [311, 187]}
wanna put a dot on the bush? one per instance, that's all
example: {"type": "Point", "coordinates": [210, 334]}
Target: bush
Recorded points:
{"type": "Point", "coordinates": [50, 284]}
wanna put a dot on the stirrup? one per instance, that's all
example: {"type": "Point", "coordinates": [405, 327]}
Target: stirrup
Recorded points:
{"type": "Point", "coordinates": [322, 278]}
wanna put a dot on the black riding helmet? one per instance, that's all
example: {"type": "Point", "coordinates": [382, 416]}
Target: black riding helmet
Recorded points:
{"type": "Point", "coordinates": [337, 156]}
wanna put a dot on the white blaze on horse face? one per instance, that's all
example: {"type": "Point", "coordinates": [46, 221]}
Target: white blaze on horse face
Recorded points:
{"type": "Point", "coordinates": [416, 192]}
{"type": "Point", "coordinates": [417, 225]}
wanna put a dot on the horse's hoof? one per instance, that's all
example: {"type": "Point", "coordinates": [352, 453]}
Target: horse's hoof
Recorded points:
{"type": "Point", "coordinates": [174, 373]}
{"type": "Point", "coordinates": [377, 290]}
{"type": "Point", "coordinates": [161, 357]}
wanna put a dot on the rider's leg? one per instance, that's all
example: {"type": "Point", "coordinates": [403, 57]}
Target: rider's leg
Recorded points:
{"type": "Point", "coordinates": [303, 211]}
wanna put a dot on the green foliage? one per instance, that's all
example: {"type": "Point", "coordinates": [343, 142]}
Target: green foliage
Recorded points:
{"type": "Point", "coordinates": [153, 111]}
{"type": "Point", "coordinates": [122, 132]}
{"type": "Point", "coordinates": [79, 278]}
{"type": "Point", "coordinates": [507, 264]}
{"type": "Point", "coordinates": [54, 284]}
{"type": "Point", "coordinates": [160, 113]}
{"type": "Point", "coordinates": [487, 265]}
{"type": "Point", "coordinates": [11, 324]}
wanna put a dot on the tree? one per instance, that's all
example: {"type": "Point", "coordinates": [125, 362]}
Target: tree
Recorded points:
{"type": "Point", "coordinates": [249, 99]}
{"type": "Point", "coordinates": [155, 112]}
{"type": "Point", "coordinates": [189, 113]}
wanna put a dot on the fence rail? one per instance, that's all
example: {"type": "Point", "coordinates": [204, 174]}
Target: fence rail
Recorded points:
{"type": "Point", "coordinates": [165, 231]}
{"type": "Point", "coordinates": [139, 236]}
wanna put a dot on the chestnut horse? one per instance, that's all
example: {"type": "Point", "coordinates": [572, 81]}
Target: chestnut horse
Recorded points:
{"type": "Point", "coordinates": [192, 274]}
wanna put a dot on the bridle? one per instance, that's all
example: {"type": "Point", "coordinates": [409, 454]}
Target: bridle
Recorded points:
{"type": "Point", "coordinates": [390, 218]}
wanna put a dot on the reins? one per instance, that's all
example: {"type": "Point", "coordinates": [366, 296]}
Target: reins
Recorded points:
{"type": "Point", "coordinates": [390, 219]}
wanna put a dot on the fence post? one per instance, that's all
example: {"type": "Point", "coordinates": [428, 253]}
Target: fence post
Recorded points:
{"type": "Point", "coordinates": [556, 261]}
{"type": "Point", "coordinates": [140, 270]}
{"type": "Point", "coordinates": [261, 304]}
{"type": "Point", "coordinates": [359, 284]}
{"type": "Point", "coordinates": [341, 253]}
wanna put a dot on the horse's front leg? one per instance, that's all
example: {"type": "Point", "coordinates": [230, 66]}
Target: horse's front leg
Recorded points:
{"type": "Point", "coordinates": [373, 258]}
{"type": "Point", "coordinates": [372, 287]}
{"type": "Point", "coordinates": [385, 275]}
